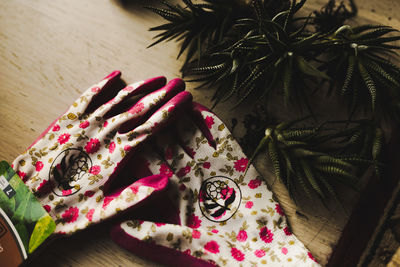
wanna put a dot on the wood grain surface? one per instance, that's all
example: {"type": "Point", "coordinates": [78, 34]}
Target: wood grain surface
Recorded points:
{"type": "Point", "coordinates": [51, 51]}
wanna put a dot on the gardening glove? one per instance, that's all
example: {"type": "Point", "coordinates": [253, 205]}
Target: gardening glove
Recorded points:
{"type": "Point", "coordinates": [214, 213]}
{"type": "Point", "coordinates": [71, 166]}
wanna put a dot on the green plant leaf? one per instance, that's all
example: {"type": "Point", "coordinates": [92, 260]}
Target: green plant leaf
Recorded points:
{"type": "Point", "coordinates": [274, 156]}
{"type": "Point", "coordinates": [309, 69]}
{"type": "Point", "coordinates": [349, 74]}
{"type": "Point", "coordinates": [377, 144]}
{"type": "Point", "coordinates": [327, 185]}
{"type": "Point", "coordinates": [43, 229]}
{"type": "Point", "coordinates": [330, 160]}
{"type": "Point", "coordinates": [19, 213]}
{"type": "Point", "coordinates": [369, 83]}
{"type": "Point", "coordinates": [287, 81]}
{"type": "Point", "coordinates": [339, 174]}
{"type": "Point", "coordinates": [298, 134]}
{"type": "Point", "coordinates": [311, 179]}
{"type": "Point", "coordinates": [302, 182]}
{"type": "Point", "coordinates": [381, 71]}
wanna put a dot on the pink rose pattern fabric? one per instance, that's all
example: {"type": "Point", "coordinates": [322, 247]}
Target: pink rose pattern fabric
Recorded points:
{"type": "Point", "coordinates": [226, 217]}
{"type": "Point", "coordinates": [70, 167]}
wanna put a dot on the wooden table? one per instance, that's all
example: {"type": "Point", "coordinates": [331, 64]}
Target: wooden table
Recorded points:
{"type": "Point", "coordinates": [50, 51]}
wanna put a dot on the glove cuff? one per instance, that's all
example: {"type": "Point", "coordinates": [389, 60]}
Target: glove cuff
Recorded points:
{"type": "Point", "coordinates": [156, 253]}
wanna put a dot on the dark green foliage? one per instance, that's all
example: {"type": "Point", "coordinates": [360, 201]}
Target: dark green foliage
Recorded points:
{"type": "Point", "coordinates": [199, 26]}
{"type": "Point", "coordinates": [317, 158]}
{"type": "Point", "coordinates": [263, 55]}
{"type": "Point", "coordinates": [203, 25]}
{"type": "Point", "coordinates": [256, 50]}
{"type": "Point", "coordinates": [357, 61]}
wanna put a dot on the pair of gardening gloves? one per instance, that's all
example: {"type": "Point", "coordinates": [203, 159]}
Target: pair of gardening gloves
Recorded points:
{"type": "Point", "coordinates": [173, 164]}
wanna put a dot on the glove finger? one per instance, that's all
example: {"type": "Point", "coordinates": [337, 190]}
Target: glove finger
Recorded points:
{"type": "Point", "coordinates": [159, 120]}
{"type": "Point", "coordinates": [143, 109]}
{"type": "Point", "coordinates": [204, 123]}
{"type": "Point", "coordinates": [109, 91]}
{"type": "Point", "coordinates": [88, 100]}
{"type": "Point", "coordinates": [178, 156]}
{"type": "Point", "coordinates": [179, 147]}
{"type": "Point", "coordinates": [110, 88]}
{"type": "Point", "coordinates": [132, 195]}
{"type": "Point", "coordinates": [204, 128]}
{"type": "Point", "coordinates": [195, 130]}
{"type": "Point", "coordinates": [188, 163]}
{"type": "Point", "coordinates": [156, 122]}
{"type": "Point", "coordinates": [116, 105]}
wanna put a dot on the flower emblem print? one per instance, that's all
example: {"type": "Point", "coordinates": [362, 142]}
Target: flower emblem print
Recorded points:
{"type": "Point", "coordinates": [70, 166]}
{"type": "Point", "coordinates": [219, 198]}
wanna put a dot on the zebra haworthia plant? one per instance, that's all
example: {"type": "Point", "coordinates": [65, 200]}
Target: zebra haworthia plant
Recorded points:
{"type": "Point", "coordinates": [318, 158]}
{"type": "Point", "coordinates": [269, 47]}
{"type": "Point", "coordinates": [257, 50]}
{"type": "Point", "coordinates": [358, 64]}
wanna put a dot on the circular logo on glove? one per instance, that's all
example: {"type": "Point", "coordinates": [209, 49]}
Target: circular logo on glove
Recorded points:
{"type": "Point", "coordinates": [67, 169]}
{"type": "Point", "coordinates": [219, 198]}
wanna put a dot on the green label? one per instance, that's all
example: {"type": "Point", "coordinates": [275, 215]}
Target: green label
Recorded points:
{"type": "Point", "coordinates": [31, 221]}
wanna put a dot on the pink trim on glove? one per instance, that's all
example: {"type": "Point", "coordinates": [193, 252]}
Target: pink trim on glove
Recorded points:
{"type": "Point", "coordinates": [154, 252]}
{"type": "Point", "coordinates": [109, 90]}
{"type": "Point", "coordinates": [199, 121]}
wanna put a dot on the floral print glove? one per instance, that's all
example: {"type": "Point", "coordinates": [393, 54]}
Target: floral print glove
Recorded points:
{"type": "Point", "coordinates": [214, 213]}
{"type": "Point", "coordinates": [71, 166]}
